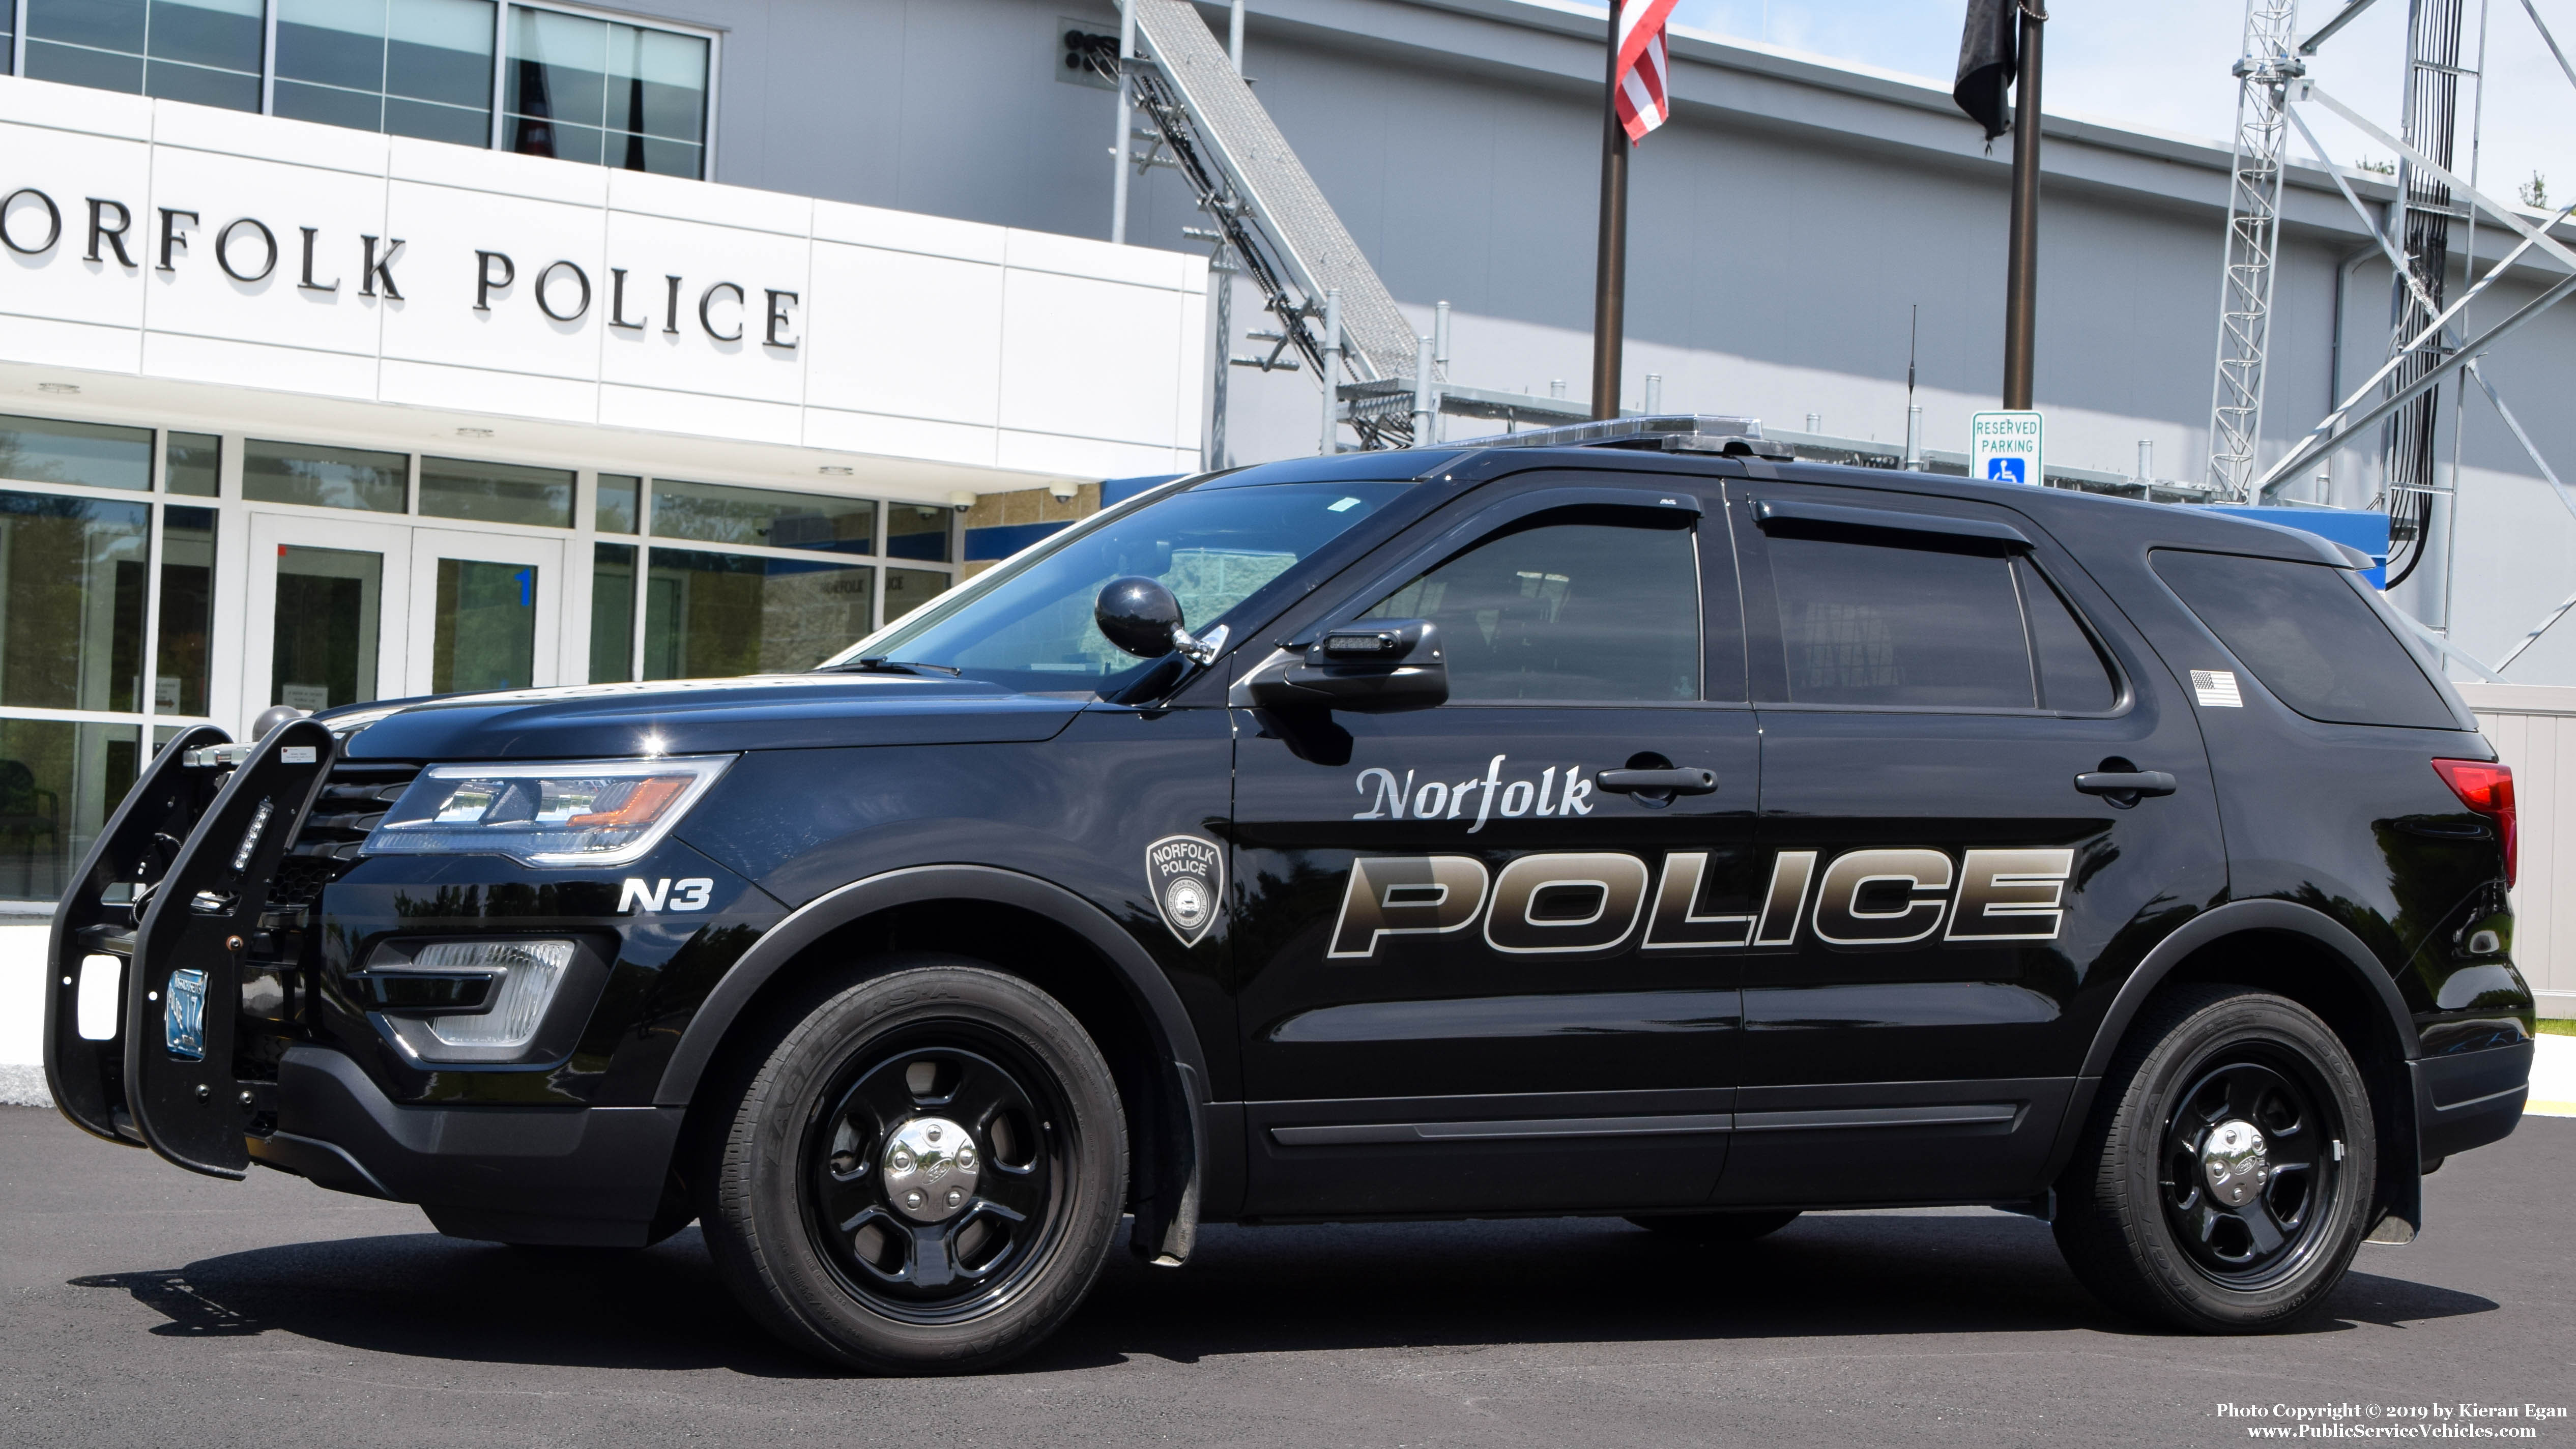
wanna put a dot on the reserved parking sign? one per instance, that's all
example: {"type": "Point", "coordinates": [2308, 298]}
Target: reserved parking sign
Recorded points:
{"type": "Point", "coordinates": [2004, 447]}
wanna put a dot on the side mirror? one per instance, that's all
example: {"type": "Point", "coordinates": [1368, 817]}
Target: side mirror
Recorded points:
{"type": "Point", "coordinates": [1142, 618]}
{"type": "Point", "coordinates": [1138, 615]}
{"type": "Point", "coordinates": [1374, 666]}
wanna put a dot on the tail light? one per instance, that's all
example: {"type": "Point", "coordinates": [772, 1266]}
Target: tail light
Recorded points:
{"type": "Point", "coordinates": [2486, 788]}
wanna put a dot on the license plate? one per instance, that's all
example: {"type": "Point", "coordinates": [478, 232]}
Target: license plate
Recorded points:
{"type": "Point", "coordinates": [183, 1015]}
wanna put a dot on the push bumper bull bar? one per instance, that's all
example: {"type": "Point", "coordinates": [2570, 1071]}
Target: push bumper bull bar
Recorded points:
{"type": "Point", "coordinates": [169, 901]}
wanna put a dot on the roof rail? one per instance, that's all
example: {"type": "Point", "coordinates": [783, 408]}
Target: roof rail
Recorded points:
{"type": "Point", "coordinates": [1667, 433]}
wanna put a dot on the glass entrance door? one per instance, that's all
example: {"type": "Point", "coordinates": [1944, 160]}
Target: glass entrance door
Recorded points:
{"type": "Point", "coordinates": [327, 603]}
{"type": "Point", "coordinates": [486, 611]}
{"type": "Point", "coordinates": [344, 612]}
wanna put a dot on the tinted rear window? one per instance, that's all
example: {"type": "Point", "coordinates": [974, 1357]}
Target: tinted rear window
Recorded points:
{"type": "Point", "coordinates": [2312, 641]}
{"type": "Point", "coordinates": [1884, 624]}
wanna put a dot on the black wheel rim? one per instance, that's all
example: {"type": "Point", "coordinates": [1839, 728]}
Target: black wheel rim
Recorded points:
{"type": "Point", "coordinates": [2251, 1210]}
{"type": "Point", "coordinates": [975, 1255]}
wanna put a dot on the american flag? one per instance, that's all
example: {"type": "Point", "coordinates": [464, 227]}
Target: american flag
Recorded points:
{"type": "Point", "coordinates": [1642, 99]}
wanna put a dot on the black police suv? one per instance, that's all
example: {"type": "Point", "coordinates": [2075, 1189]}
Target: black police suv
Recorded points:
{"type": "Point", "coordinates": [1655, 828]}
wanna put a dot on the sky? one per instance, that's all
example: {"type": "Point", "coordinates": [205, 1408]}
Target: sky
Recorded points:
{"type": "Point", "coordinates": [2164, 64]}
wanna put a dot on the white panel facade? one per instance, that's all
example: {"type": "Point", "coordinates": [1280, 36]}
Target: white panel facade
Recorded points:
{"type": "Point", "coordinates": [338, 264]}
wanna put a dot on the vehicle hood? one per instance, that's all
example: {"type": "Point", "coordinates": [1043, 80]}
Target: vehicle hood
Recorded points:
{"type": "Point", "coordinates": [708, 716]}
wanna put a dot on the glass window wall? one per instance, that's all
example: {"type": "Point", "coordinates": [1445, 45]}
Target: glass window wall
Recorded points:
{"type": "Point", "coordinates": [607, 93]}
{"type": "Point", "coordinates": [71, 601]}
{"type": "Point", "coordinates": [191, 463]}
{"type": "Point", "coordinates": [620, 502]}
{"type": "Point", "coordinates": [94, 455]}
{"type": "Point", "coordinates": [324, 477]}
{"type": "Point", "coordinates": [612, 613]}
{"type": "Point", "coordinates": [203, 51]}
{"type": "Point", "coordinates": [917, 531]}
{"type": "Point", "coordinates": [180, 678]}
{"type": "Point", "coordinates": [496, 492]}
{"type": "Point", "coordinates": [58, 782]}
{"type": "Point", "coordinates": [712, 614]}
{"type": "Point", "coordinates": [582, 87]}
{"type": "Point", "coordinates": [409, 67]}
{"type": "Point", "coordinates": [721, 513]}
{"type": "Point", "coordinates": [107, 600]}
{"type": "Point", "coordinates": [909, 589]}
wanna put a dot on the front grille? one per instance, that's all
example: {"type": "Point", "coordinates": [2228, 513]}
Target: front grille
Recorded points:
{"type": "Point", "coordinates": [353, 798]}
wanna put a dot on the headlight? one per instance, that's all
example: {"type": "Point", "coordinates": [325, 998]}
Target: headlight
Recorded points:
{"type": "Point", "coordinates": [593, 812]}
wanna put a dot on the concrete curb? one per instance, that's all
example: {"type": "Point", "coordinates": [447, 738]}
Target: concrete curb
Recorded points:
{"type": "Point", "coordinates": [24, 1087]}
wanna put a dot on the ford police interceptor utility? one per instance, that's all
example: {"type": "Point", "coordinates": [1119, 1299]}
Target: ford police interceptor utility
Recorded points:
{"type": "Point", "coordinates": [1627, 821]}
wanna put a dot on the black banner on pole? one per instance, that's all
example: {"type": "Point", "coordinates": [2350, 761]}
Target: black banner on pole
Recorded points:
{"type": "Point", "coordinates": [1987, 60]}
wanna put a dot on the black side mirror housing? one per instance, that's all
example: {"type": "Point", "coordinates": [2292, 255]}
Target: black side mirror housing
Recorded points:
{"type": "Point", "coordinates": [1139, 615]}
{"type": "Point", "coordinates": [1374, 666]}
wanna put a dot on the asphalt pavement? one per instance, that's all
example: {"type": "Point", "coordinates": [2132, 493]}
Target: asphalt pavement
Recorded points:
{"type": "Point", "coordinates": [143, 1306]}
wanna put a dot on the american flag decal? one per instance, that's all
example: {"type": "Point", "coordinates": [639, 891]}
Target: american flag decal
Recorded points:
{"type": "Point", "coordinates": [1641, 95]}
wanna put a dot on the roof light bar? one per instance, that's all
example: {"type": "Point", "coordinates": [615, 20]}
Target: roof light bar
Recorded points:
{"type": "Point", "coordinates": [1667, 433]}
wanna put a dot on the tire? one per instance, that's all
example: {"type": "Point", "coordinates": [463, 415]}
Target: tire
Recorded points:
{"type": "Point", "coordinates": [1717, 1229]}
{"type": "Point", "coordinates": [850, 1220]}
{"type": "Point", "coordinates": [2247, 1244]}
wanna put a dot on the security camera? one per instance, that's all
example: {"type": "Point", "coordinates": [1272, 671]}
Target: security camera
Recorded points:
{"type": "Point", "coordinates": [961, 500]}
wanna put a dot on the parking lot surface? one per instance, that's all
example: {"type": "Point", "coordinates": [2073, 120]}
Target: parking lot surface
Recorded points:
{"type": "Point", "coordinates": [144, 1306]}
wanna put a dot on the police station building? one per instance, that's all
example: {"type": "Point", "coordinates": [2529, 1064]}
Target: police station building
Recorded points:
{"type": "Point", "coordinates": [355, 349]}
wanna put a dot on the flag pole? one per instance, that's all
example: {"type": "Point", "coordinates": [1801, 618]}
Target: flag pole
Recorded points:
{"type": "Point", "coordinates": [1610, 279]}
{"type": "Point", "coordinates": [2021, 266]}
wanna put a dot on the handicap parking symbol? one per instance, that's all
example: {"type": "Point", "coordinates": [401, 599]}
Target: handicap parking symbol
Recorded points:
{"type": "Point", "coordinates": [2006, 470]}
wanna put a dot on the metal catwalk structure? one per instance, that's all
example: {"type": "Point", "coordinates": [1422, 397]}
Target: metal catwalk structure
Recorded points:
{"type": "Point", "coordinates": [1276, 224]}
{"type": "Point", "coordinates": [1272, 224]}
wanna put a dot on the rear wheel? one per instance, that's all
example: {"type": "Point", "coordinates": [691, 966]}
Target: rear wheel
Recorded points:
{"type": "Point", "coordinates": [1719, 1228]}
{"type": "Point", "coordinates": [922, 1175]}
{"type": "Point", "coordinates": [2223, 1181]}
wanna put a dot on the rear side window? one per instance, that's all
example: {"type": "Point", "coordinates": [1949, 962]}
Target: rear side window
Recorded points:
{"type": "Point", "coordinates": [2312, 641]}
{"type": "Point", "coordinates": [2072, 675]}
{"type": "Point", "coordinates": [1931, 622]}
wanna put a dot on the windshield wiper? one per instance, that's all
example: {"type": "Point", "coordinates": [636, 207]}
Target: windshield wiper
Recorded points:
{"type": "Point", "coordinates": [880, 664]}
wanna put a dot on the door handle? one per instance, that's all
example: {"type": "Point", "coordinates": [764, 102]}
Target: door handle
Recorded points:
{"type": "Point", "coordinates": [1666, 782]}
{"type": "Point", "coordinates": [2132, 783]}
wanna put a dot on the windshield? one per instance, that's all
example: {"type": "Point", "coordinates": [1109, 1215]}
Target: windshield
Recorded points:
{"type": "Point", "coordinates": [1030, 628]}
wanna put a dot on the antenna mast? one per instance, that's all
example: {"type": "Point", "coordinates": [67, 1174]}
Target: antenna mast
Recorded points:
{"type": "Point", "coordinates": [2253, 237]}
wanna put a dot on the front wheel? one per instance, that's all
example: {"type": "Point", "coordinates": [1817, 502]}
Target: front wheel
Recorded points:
{"type": "Point", "coordinates": [922, 1175]}
{"type": "Point", "coordinates": [2222, 1183]}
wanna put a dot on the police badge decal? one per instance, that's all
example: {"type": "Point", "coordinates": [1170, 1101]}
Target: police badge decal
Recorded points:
{"type": "Point", "coordinates": [1188, 877]}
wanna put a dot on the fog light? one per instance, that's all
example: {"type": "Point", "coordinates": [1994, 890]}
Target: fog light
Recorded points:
{"type": "Point", "coordinates": [526, 975]}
